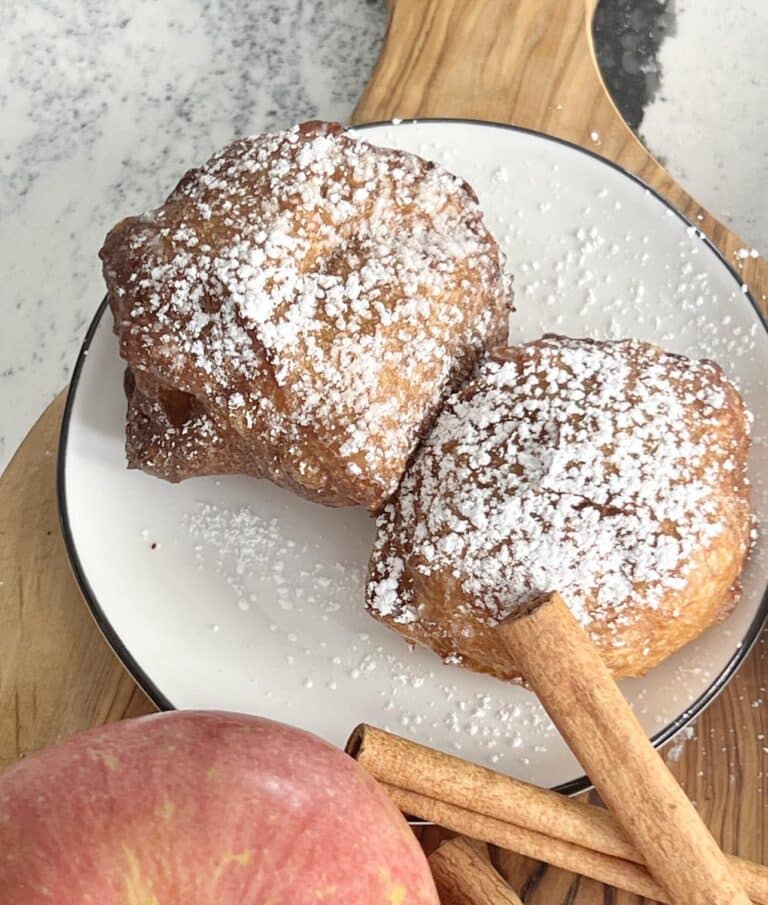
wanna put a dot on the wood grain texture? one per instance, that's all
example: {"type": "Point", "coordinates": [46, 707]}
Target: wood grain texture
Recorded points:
{"type": "Point", "coordinates": [529, 63]}
{"type": "Point", "coordinates": [57, 674]}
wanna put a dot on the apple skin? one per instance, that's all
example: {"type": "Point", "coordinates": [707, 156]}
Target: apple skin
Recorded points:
{"type": "Point", "coordinates": [203, 808]}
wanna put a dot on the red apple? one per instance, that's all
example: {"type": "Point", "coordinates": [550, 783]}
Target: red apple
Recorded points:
{"type": "Point", "coordinates": [202, 808]}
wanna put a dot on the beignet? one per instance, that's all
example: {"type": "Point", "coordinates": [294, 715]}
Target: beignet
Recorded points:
{"type": "Point", "coordinates": [613, 472]}
{"type": "Point", "coordinates": [298, 309]}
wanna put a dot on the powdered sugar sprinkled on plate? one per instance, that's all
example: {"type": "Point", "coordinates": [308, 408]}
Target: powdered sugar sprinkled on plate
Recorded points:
{"type": "Point", "coordinates": [246, 550]}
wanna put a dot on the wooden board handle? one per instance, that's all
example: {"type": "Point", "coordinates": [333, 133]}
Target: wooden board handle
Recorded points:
{"type": "Point", "coordinates": [494, 60]}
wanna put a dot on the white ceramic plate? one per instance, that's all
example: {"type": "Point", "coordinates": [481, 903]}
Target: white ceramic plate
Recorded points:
{"type": "Point", "coordinates": [231, 593]}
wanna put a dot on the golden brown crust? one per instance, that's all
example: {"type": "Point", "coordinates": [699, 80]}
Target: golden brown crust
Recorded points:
{"type": "Point", "coordinates": [308, 299]}
{"type": "Point", "coordinates": [613, 472]}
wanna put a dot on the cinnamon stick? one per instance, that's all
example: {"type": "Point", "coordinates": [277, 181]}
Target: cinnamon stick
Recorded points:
{"type": "Point", "coordinates": [464, 875]}
{"type": "Point", "coordinates": [603, 868]}
{"type": "Point", "coordinates": [568, 675]}
{"type": "Point", "coordinates": [401, 762]}
{"type": "Point", "coordinates": [481, 803]}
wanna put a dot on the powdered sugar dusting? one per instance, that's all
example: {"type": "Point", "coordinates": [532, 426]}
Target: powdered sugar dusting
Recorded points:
{"type": "Point", "coordinates": [291, 597]}
{"type": "Point", "coordinates": [317, 296]}
{"type": "Point", "coordinates": [601, 470]}
{"type": "Point", "coordinates": [294, 590]}
{"type": "Point", "coordinates": [675, 751]}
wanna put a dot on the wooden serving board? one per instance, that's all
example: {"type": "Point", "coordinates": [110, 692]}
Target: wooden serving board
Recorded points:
{"type": "Point", "coordinates": [527, 62]}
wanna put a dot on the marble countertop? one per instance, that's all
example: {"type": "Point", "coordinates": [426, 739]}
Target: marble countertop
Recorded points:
{"type": "Point", "coordinates": [104, 106]}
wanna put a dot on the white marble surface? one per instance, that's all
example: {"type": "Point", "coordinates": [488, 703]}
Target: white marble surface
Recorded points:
{"type": "Point", "coordinates": [709, 119]}
{"type": "Point", "coordinates": [104, 105]}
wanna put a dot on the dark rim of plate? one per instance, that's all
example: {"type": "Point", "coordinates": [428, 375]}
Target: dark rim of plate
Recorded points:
{"type": "Point", "coordinates": [142, 678]}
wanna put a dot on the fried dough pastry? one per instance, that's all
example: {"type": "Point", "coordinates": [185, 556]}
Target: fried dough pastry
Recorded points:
{"type": "Point", "coordinates": [298, 309]}
{"type": "Point", "coordinates": [612, 472]}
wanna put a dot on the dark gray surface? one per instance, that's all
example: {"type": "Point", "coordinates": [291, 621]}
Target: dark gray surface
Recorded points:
{"type": "Point", "coordinates": [627, 36]}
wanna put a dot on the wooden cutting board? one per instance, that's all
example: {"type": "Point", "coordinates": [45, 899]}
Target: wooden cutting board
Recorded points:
{"type": "Point", "coordinates": [527, 62]}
